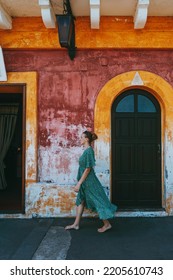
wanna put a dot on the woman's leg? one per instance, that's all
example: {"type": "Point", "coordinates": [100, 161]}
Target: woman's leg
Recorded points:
{"type": "Point", "coordinates": [79, 212]}
{"type": "Point", "coordinates": [106, 226]}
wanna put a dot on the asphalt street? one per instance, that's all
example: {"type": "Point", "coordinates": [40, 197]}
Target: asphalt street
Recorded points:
{"type": "Point", "coordinates": [45, 239]}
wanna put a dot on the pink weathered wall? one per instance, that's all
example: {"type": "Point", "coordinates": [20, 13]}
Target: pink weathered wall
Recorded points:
{"type": "Point", "coordinates": [67, 93]}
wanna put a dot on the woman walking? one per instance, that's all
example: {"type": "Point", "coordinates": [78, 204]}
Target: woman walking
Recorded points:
{"type": "Point", "coordinates": [90, 191]}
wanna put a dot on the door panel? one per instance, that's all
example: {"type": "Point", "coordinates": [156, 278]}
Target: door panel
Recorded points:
{"type": "Point", "coordinates": [147, 127]}
{"type": "Point", "coordinates": [136, 160]}
{"type": "Point", "coordinates": [125, 190]}
{"type": "Point", "coordinates": [147, 190]}
{"type": "Point", "coordinates": [147, 159]}
{"type": "Point", "coordinates": [125, 127]}
{"type": "Point", "coordinates": [124, 159]}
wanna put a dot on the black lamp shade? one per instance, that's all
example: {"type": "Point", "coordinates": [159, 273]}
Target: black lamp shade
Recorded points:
{"type": "Point", "coordinates": [65, 28]}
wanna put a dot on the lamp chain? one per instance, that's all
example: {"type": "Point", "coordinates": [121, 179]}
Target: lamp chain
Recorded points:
{"type": "Point", "coordinates": [67, 7]}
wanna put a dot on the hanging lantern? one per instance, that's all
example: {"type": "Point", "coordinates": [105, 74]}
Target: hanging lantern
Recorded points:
{"type": "Point", "coordinates": [66, 29]}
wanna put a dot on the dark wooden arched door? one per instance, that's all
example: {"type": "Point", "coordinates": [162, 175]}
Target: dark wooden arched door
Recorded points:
{"type": "Point", "coordinates": [136, 150]}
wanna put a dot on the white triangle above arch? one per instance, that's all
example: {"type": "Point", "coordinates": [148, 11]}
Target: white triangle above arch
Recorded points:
{"type": "Point", "coordinates": [137, 80]}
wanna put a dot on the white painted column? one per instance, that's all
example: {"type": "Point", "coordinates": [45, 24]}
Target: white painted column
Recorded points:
{"type": "Point", "coordinates": [3, 74]}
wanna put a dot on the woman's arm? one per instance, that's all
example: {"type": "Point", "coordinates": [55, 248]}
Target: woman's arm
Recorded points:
{"type": "Point", "coordinates": [82, 179]}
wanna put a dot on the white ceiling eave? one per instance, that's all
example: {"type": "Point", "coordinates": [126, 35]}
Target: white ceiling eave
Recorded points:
{"type": "Point", "coordinates": [95, 9]}
{"type": "Point", "coordinates": [5, 19]}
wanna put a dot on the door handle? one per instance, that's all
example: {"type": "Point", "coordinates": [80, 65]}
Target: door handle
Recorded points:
{"type": "Point", "coordinates": [158, 148]}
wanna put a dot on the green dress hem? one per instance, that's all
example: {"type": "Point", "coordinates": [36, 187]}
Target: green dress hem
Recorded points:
{"type": "Point", "coordinates": [91, 191]}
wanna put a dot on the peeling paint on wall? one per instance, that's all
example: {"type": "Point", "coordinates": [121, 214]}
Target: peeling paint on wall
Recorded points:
{"type": "Point", "coordinates": [50, 200]}
{"type": "Point", "coordinates": [68, 101]}
{"type": "Point", "coordinates": [59, 162]}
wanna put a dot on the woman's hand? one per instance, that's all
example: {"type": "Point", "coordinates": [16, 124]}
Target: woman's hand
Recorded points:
{"type": "Point", "coordinates": [82, 179]}
{"type": "Point", "coordinates": [77, 187]}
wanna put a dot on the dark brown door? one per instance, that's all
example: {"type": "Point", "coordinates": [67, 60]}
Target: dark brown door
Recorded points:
{"type": "Point", "coordinates": [136, 150]}
{"type": "Point", "coordinates": [12, 195]}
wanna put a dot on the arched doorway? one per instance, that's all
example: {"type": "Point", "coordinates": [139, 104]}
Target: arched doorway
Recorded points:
{"type": "Point", "coordinates": [136, 150]}
{"type": "Point", "coordinates": [163, 93]}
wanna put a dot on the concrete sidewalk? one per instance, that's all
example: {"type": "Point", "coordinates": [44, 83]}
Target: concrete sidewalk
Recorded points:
{"type": "Point", "coordinates": [45, 239]}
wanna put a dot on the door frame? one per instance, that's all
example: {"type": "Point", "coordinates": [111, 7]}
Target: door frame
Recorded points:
{"type": "Point", "coordinates": [163, 92]}
{"type": "Point", "coordinates": [30, 80]}
{"type": "Point", "coordinates": [19, 89]}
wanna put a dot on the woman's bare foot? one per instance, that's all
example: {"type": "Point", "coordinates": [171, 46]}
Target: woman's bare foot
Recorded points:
{"type": "Point", "coordinates": [72, 227]}
{"type": "Point", "coordinates": [104, 228]}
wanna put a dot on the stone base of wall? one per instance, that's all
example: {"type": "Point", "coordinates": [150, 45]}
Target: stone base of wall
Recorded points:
{"type": "Point", "coordinates": [48, 200]}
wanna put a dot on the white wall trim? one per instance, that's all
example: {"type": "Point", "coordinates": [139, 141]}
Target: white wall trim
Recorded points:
{"type": "Point", "coordinates": [3, 74]}
{"type": "Point", "coordinates": [95, 14]}
{"type": "Point", "coordinates": [47, 12]}
{"type": "Point", "coordinates": [141, 14]}
{"type": "Point", "coordinates": [5, 19]}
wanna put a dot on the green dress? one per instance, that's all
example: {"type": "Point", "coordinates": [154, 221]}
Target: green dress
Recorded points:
{"type": "Point", "coordinates": [91, 191]}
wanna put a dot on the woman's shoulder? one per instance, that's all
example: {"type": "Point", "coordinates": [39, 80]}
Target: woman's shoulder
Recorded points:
{"type": "Point", "coordinates": [90, 150]}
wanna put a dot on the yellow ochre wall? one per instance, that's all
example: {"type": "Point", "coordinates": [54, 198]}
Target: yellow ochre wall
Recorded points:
{"type": "Point", "coordinates": [114, 32]}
